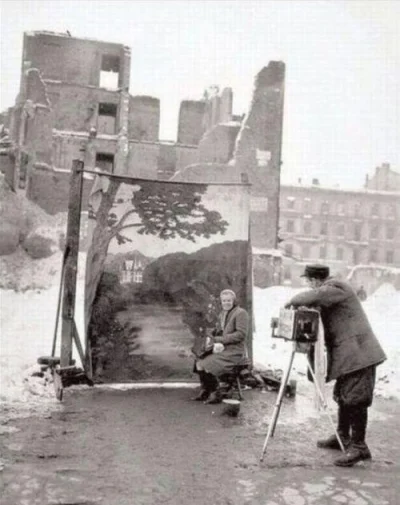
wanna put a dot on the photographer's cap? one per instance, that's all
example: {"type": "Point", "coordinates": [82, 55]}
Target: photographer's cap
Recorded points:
{"type": "Point", "coordinates": [316, 271]}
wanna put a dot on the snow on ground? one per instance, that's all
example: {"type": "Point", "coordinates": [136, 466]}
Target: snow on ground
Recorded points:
{"type": "Point", "coordinates": [27, 325]}
{"type": "Point", "coordinates": [28, 320]}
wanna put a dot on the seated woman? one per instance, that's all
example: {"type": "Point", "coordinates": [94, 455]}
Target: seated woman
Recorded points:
{"type": "Point", "coordinates": [228, 347]}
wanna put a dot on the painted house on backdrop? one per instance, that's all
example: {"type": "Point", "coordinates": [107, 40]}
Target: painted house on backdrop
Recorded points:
{"type": "Point", "coordinates": [342, 228]}
{"type": "Point", "coordinates": [132, 271]}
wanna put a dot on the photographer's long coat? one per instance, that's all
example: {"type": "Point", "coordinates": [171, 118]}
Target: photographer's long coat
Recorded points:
{"type": "Point", "coordinates": [350, 342]}
{"type": "Point", "coordinates": [232, 334]}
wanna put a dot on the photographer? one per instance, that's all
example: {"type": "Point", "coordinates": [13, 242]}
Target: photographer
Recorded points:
{"type": "Point", "coordinates": [353, 353]}
{"type": "Point", "coordinates": [228, 347]}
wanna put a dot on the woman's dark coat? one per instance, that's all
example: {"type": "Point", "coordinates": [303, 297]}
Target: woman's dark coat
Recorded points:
{"type": "Point", "coordinates": [350, 342]}
{"type": "Point", "coordinates": [233, 336]}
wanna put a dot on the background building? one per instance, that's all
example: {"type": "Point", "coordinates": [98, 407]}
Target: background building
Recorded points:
{"type": "Point", "coordinates": [384, 179]}
{"type": "Point", "coordinates": [339, 227]}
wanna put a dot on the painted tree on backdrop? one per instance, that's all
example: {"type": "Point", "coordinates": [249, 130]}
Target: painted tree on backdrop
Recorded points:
{"type": "Point", "coordinates": [166, 210]}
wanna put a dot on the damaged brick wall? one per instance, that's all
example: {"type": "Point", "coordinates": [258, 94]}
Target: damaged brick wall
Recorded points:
{"type": "Point", "coordinates": [218, 107]}
{"type": "Point", "coordinates": [50, 190]}
{"type": "Point", "coordinates": [217, 144]}
{"type": "Point", "coordinates": [77, 108]}
{"type": "Point", "coordinates": [67, 59]}
{"type": "Point", "coordinates": [144, 118]}
{"type": "Point", "coordinates": [258, 152]}
{"type": "Point", "coordinates": [191, 122]}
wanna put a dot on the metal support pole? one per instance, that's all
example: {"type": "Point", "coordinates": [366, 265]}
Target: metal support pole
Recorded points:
{"type": "Point", "coordinates": [71, 265]}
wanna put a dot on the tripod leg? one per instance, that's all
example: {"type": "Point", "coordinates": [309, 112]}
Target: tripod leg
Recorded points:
{"type": "Point", "coordinates": [325, 405]}
{"type": "Point", "coordinates": [277, 408]}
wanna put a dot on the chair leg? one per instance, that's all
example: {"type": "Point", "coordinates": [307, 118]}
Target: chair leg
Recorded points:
{"type": "Point", "coordinates": [239, 388]}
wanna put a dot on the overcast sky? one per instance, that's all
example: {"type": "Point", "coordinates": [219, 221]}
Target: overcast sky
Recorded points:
{"type": "Point", "coordinates": [342, 105]}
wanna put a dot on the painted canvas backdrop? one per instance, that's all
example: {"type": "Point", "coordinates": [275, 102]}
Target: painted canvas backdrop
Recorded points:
{"type": "Point", "coordinates": [159, 255]}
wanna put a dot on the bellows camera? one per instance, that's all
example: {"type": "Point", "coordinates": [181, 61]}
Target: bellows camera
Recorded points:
{"type": "Point", "coordinates": [298, 325]}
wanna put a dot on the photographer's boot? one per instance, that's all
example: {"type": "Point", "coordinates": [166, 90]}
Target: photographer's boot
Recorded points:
{"type": "Point", "coordinates": [358, 450]}
{"type": "Point", "coordinates": [343, 431]}
{"type": "Point", "coordinates": [204, 392]}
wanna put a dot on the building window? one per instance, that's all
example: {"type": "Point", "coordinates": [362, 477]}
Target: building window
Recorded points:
{"type": "Point", "coordinates": [322, 252]}
{"type": "Point", "coordinates": [324, 228]}
{"type": "Point", "coordinates": [357, 232]}
{"type": "Point", "coordinates": [305, 251]}
{"type": "Point", "coordinates": [340, 230]}
{"type": "Point", "coordinates": [357, 209]}
{"type": "Point", "coordinates": [138, 277]}
{"type": "Point", "coordinates": [289, 249]}
{"type": "Point", "coordinates": [375, 210]}
{"type": "Point", "coordinates": [374, 232]}
{"type": "Point", "coordinates": [339, 253]}
{"type": "Point", "coordinates": [290, 226]}
{"type": "Point", "coordinates": [356, 256]}
{"type": "Point", "coordinates": [290, 201]}
{"type": "Point", "coordinates": [307, 205]}
{"type": "Point", "coordinates": [390, 232]}
{"type": "Point", "coordinates": [109, 72]}
{"type": "Point", "coordinates": [107, 118]}
{"type": "Point", "coordinates": [307, 227]}
{"type": "Point", "coordinates": [341, 209]}
{"type": "Point", "coordinates": [389, 256]}
{"type": "Point", "coordinates": [373, 255]}
{"type": "Point", "coordinates": [105, 162]}
{"type": "Point", "coordinates": [391, 211]}
{"type": "Point", "coordinates": [324, 208]}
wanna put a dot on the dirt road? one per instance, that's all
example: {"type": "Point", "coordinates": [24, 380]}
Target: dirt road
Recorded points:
{"type": "Point", "coordinates": [150, 447]}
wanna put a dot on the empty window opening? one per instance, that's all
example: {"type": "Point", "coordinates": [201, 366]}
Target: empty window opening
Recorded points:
{"type": "Point", "coordinates": [107, 118]}
{"type": "Point", "coordinates": [109, 73]}
{"type": "Point", "coordinates": [105, 162]}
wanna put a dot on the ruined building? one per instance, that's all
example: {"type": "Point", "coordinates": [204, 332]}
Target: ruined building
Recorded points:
{"type": "Point", "coordinates": [74, 103]}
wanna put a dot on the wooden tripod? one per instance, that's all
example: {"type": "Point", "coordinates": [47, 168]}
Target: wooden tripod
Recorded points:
{"type": "Point", "coordinates": [301, 348]}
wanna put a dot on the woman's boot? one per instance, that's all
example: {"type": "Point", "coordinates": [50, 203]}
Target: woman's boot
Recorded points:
{"type": "Point", "coordinates": [204, 389]}
{"type": "Point", "coordinates": [212, 383]}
